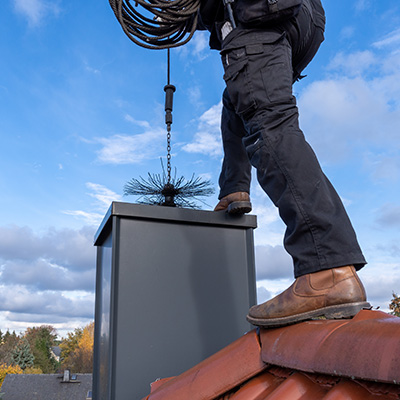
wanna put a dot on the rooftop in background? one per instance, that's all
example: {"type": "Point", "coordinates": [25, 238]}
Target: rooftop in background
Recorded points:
{"type": "Point", "coordinates": [355, 359]}
{"type": "Point", "coordinates": [47, 387]}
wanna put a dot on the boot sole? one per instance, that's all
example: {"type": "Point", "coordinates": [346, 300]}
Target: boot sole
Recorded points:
{"type": "Point", "coordinates": [239, 207]}
{"type": "Point", "coordinates": [331, 312]}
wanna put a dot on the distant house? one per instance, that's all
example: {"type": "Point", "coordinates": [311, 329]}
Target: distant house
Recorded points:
{"type": "Point", "coordinates": [47, 387]}
{"type": "Point", "coordinates": [56, 352]}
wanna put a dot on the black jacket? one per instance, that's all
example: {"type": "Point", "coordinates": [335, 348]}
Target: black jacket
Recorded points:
{"type": "Point", "coordinates": [212, 15]}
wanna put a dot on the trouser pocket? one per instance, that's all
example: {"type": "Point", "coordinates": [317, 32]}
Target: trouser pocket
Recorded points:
{"type": "Point", "coordinates": [238, 83]}
{"type": "Point", "coordinates": [258, 76]}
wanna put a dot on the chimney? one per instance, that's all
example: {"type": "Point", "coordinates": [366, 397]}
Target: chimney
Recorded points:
{"type": "Point", "coordinates": [66, 377]}
{"type": "Point", "coordinates": [208, 270]}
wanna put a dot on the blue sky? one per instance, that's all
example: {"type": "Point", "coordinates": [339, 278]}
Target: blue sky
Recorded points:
{"type": "Point", "coordinates": [81, 113]}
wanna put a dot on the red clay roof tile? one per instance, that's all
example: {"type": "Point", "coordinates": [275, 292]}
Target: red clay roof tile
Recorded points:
{"type": "Point", "coordinates": [217, 374]}
{"type": "Point", "coordinates": [350, 390]}
{"type": "Point", "coordinates": [354, 359]}
{"type": "Point", "coordinates": [257, 388]}
{"type": "Point", "coordinates": [365, 347]}
{"type": "Point", "coordinates": [297, 387]}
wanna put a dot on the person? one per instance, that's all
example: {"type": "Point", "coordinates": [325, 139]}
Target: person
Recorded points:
{"type": "Point", "coordinates": [260, 128]}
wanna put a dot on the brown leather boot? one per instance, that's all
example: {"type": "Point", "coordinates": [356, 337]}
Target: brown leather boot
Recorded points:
{"type": "Point", "coordinates": [334, 293]}
{"type": "Point", "coordinates": [235, 203]}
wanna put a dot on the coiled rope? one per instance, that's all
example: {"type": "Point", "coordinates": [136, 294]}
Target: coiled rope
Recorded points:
{"type": "Point", "coordinates": [166, 23]}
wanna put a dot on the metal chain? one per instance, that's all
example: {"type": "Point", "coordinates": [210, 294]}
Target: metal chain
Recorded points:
{"type": "Point", "coordinates": [169, 124]}
{"type": "Point", "coordinates": [168, 154]}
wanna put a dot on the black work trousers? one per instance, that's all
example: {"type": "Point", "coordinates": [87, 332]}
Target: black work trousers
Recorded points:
{"type": "Point", "coordinates": [260, 128]}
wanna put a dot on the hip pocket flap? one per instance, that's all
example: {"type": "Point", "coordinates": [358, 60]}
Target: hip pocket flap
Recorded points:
{"type": "Point", "coordinates": [233, 70]}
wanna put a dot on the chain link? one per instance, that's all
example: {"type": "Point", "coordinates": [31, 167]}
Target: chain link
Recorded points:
{"type": "Point", "coordinates": [168, 108]}
{"type": "Point", "coordinates": [168, 154]}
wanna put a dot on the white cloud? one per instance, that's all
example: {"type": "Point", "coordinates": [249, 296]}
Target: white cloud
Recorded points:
{"type": "Point", "coordinates": [42, 275]}
{"type": "Point", "coordinates": [212, 117]}
{"type": "Point", "coordinates": [390, 250]}
{"type": "Point", "coordinates": [20, 300]}
{"type": "Point", "coordinates": [103, 196]}
{"type": "Point", "coordinates": [207, 139]}
{"type": "Point", "coordinates": [206, 176]}
{"type": "Point", "coordinates": [393, 38]}
{"type": "Point", "coordinates": [355, 111]}
{"type": "Point", "coordinates": [273, 262]}
{"type": "Point", "coordinates": [18, 322]}
{"type": "Point", "coordinates": [389, 215]}
{"type": "Point", "coordinates": [200, 44]}
{"type": "Point", "coordinates": [362, 5]}
{"type": "Point", "coordinates": [196, 49]}
{"type": "Point", "coordinates": [89, 218]}
{"type": "Point", "coordinates": [355, 63]}
{"type": "Point", "coordinates": [263, 294]}
{"type": "Point", "coordinates": [36, 10]}
{"type": "Point", "coordinates": [347, 32]}
{"type": "Point", "coordinates": [143, 124]}
{"type": "Point", "coordinates": [194, 96]}
{"type": "Point", "coordinates": [270, 228]}
{"type": "Point", "coordinates": [383, 167]}
{"type": "Point", "coordinates": [380, 280]}
{"type": "Point", "coordinates": [268, 288]}
{"type": "Point", "coordinates": [37, 272]}
{"type": "Point", "coordinates": [90, 69]}
{"type": "Point", "coordinates": [266, 214]}
{"type": "Point", "coordinates": [205, 143]}
{"type": "Point", "coordinates": [342, 115]}
{"type": "Point", "coordinates": [22, 243]}
{"type": "Point", "coordinates": [132, 149]}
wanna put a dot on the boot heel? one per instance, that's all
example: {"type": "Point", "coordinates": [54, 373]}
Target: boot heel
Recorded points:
{"type": "Point", "coordinates": [239, 207]}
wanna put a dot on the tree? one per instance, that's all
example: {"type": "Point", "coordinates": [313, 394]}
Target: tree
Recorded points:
{"type": "Point", "coordinates": [33, 371]}
{"type": "Point", "coordinates": [395, 305]}
{"type": "Point", "coordinates": [7, 346]}
{"type": "Point", "coordinates": [41, 340]}
{"type": "Point", "coordinates": [80, 358]}
{"type": "Point", "coordinates": [70, 344]}
{"type": "Point", "coordinates": [8, 369]}
{"type": "Point", "coordinates": [22, 354]}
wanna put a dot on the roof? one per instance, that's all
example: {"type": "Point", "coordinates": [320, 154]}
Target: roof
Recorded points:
{"type": "Point", "coordinates": [356, 359]}
{"type": "Point", "coordinates": [56, 351]}
{"type": "Point", "coordinates": [45, 387]}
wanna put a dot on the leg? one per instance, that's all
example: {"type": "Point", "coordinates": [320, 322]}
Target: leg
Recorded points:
{"type": "Point", "coordinates": [234, 180]}
{"type": "Point", "coordinates": [236, 169]}
{"type": "Point", "coordinates": [319, 235]}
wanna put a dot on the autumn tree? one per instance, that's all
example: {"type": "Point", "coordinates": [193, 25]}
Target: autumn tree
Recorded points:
{"type": "Point", "coordinates": [9, 341]}
{"type": "Point", "coordinates": [395, 305]}
{"type": "Point", "coordinates": [8, 369]}
{"type": "Point", "coordinates": [70, 344]}
{"type": "Point", "coordinates": [41, 340]}
{"type": "Point", "coordinates": [77, 350]}
{"type": "Point", "coordinates": [22, 354]}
